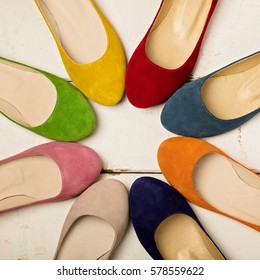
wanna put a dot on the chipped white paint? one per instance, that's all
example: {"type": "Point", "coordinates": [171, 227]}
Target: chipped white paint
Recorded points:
{"type": "Point", "coordinates": [126, 137]}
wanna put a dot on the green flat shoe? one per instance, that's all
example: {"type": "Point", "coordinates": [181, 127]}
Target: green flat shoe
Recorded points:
{"type": "Point", "coordinates": [44, 103]}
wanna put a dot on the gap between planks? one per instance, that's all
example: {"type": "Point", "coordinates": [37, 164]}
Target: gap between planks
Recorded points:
{"type": "Point", "coordinates": [129, 171]}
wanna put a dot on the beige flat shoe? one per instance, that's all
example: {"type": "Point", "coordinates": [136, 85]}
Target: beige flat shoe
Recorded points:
{"type": "Point", "coordinates": [95, 224]}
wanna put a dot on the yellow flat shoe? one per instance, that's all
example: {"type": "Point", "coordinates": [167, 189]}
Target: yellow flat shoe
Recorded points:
{"type": "Point", "coordinates": [89, 47]}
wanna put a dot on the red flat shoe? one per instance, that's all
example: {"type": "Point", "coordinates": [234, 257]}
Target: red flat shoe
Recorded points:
{"type": "Point", "coordinates": [166, 56]}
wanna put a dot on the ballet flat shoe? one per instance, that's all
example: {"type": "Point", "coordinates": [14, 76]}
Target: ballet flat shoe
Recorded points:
{"type": "Point", "coordinates": [44, 103]}
{"type": "Point", "coordinates": [47, 173]}
{"type": "Point", "coordinates": [167, 54]}
{"type": "Point", "coordinates": [209, 178]}
{"type": "Point", "coordinates": [96, 223]}
{"type": "Point", "coordinates": [216, 103]}
{"type": "Point", "coordinates": [166, 225]}
{"type": "Point", "coordinates": [91, 51]}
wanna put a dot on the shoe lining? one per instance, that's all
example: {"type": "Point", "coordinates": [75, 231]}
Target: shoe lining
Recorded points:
{"type": "Point", "coordinates": [176, 31]}
{"type": "Point", "coordinates": [179, 237]}
{"type": "Point", "coordinates": [235, 91]}
{"type": "Point", "coordinates": [26, 96]}
{"type": "Point", "coordinates": [228, 187]}
{"type": "Point", "coordinates": [78, 27]}
{"type": "Point", "coordinates": [27, 180]}
{"type": "Point", "coordinates": [89, 238]}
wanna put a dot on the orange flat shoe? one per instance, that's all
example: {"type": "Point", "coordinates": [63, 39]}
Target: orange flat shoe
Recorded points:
{"type": "Point", "coordinates": [209, 178]}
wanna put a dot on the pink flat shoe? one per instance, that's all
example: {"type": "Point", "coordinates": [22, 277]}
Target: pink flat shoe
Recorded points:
{"type": "Point", "coordinates": [47, 173]}
{"type": "Point", "coordinates": [96, 223]}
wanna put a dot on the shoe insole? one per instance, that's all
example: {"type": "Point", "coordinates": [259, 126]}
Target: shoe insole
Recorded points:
{"type": "Point", "coordinates": [78, 28]}
{"type": "Point", "coordinates": [26, 96]}
{"type": "Point", "coordinates": [89, 238]}
{"type": "Point", "coordinates": [179, 237]}
{"type": "Point", "coordinates": [228, 187]}
{"type": "Point", "coordinates": [176, 31]}
{"type": "Point", "coordinates": [235, 91]}
{"type": "Point", "coordinates": [27, 180]}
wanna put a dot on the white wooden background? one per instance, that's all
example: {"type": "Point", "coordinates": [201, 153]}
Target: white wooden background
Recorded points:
{"type": "Point", "coordinates": [126, 138]}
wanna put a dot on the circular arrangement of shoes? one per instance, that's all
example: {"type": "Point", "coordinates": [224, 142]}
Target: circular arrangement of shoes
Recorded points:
{"type": "Point", "coordinates": [157, 71]}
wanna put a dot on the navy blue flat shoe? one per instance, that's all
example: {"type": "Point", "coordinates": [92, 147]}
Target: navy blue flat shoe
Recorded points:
{"type": "Point", "coordinates": [166, 225]}
{"type": "Point", "coordinates": [217, 103]}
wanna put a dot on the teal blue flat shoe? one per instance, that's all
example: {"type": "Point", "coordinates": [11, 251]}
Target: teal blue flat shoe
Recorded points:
{"type": "Point", "coordinates": [217, 103]}
{"type": "Point", "coordinates": [44, 103]}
